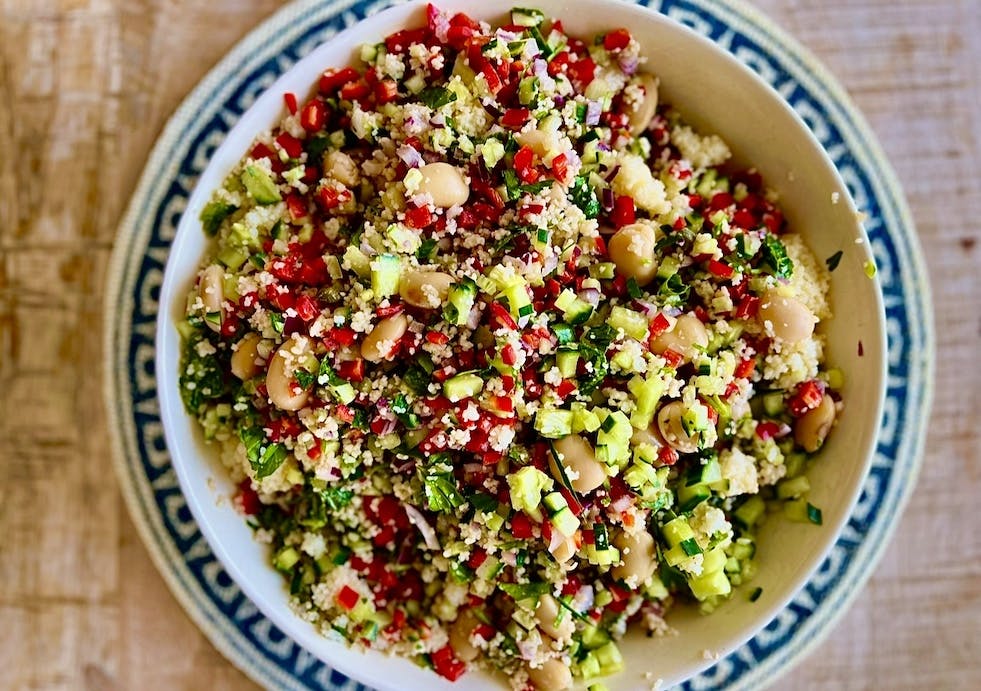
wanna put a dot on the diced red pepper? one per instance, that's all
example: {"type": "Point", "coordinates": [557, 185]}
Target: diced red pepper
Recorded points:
{"type": "Point", "coordinates": [524, 164]}
{"type": "Point", "coordinates": [504, 404]}
{"type": "Point", "coordinates": [418, 217]}
{"type": "Point", "coordinates": [659, 325]}
{"type": "Point", "coordinates": [521, 526]}
{"type": "Point", "coordinates": [314, 115]}
{"type": "Point", "coordinates": [808, 396]}
{"type": "Point", "coordinates": [667, 456]}
{"type": "Point", "coordinates": [307, 308]}
{"type": "Point", "coordinates": [297, 206]}
{"type": "Point", "coordinates": [565, 387]}
{"type": "Point", "coordinates": [582, 72]}
{"type": "Point", "coordinates": [623, 213]}
{"type": "Point", "coordinates": [748, 307]}
{"type": "Point", "coordinates": [352, 370]}
{"type": "Point", "coordinates": [721, 200]}
{"type": "Point", "coordinates": [339, 336]}
{"type": "Point", "coordinates": [290, 144]}
{"type": "Point", "coordinates": [289, 98]}
{"type": "Point", "coordinates": [248, 498]}
{"type": "Point", "coordinates": [560, 168]}
{"type": "Point", "coordinates": [618, 39]}
{"type": "Point", "coordinates": [500, 317]}
{"type": "Point", "coordinates": [330, 197]}
{"type": "Point", "coordinates": [744, 219]}
{"type": "Point", "coordinates": [717, 268]}
{"type": "Point", "coordinates": [485, 631]}
{"type": "Point", "coordinates": [457, 36]}
{"type": "Point", "coordinates": [767, 429]}
{"type": "Point", "coordinates": [344, 414]}
{"type": "Point", "coordinates": [508, 355]}
{"type": "Point", "coordinates": [401, 40]}
{"type": "Point", "coordinates": [437, 337]}
{"type": "Point", "coordinates": [355, 91]}
{"type": "Point", "coordinates": [672, 357]}
{"type": "Point", "coordinates": [446, 665]}
{"type": "Point", "coordinates": [492, 78]}
{"type": "Point", "coordinates": [348, 598]}
{"type": "Point", "coordinates": [515, 118]}
{"type": "Point", "coordinates": [745, 368]}
{"type": "Point", "coordinates": [260, 150]}
{"type": "Point", "coordinates": [386, 91]}
{"type": "Point", "coordinates": [333, 79]}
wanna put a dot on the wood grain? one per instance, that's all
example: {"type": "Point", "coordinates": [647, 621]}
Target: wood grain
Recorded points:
{"type": "Point", "coordinates": [86, 86]}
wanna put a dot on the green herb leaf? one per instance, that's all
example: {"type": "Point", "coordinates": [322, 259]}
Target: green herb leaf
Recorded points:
{"type": "Point", "coordinates": [437, 97]}
{"type": "Point", "coordinates": [833, 260]}
{"type": "Point", "coordinates": [775, 254]}
{"type": "Point", "coordinates": [441, 491]}
{"type": "Point", "coordinates": [814, 514]}
{"type": "Point", "coordinates": [277, 320]}
{"type": "Point", "coordinates": [426, 249]}
{"type": "Point", "coordinates": [755, 595]}
{"type": "Point", "coordinates": [584, 196]}
{"type": "Point", "coordinates": [213, 214]}
{"type": "Point", "coordinates": [525, 591]}
{"type": "Point", "coordinates": [674, 291]}
{"type": "Point", "coordinates": [264, 460]}
{"type": "Point", "coordinates": [303, 378]}
{"type": "Point", "coordinates": [484, 503]}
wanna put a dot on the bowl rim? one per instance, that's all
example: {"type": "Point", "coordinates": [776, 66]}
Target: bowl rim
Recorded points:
{"type": "Point", "coordinates": [272, 89]}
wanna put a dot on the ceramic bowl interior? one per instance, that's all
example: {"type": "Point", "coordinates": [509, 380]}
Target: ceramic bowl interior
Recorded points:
{"type": "Point", "coordinates": [716, 93]}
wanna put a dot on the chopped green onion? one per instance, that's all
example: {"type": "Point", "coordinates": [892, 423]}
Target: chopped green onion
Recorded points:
{"type": "Point", "coordinates": [814, 514]}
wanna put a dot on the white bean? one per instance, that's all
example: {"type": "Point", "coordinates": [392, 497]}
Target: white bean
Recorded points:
{"type": "Point", "coordinates": [786, 318]}
{"type": "Point", "coordinates": [460, 632]}
{"type": "Point", "coordinates": [378, 345]}
{"type": "Point", "coordinates": [426, 289]}
{"type": "Point", "coordinates": [444, 183]}
{"type": "Point", "coordinates": [342, 168]}
{"type": "Point", "coordinates": [578, 459]}
{"type": "Point", "coordinates": [212, 294]}
{"type": "Point", "coordinates": [553, 619]}
{"type": "Point", "coordinates": [636, 556]}
{"type": "Point", "coordinates": [688, 337]}
{"type": "Point", "coordinates": [553, 675]}
{"type": "Point", "coordinates": [640, 117]}
{"type": "Point", "coordinates": [649, 435]}
{"type": "Point", "coordinates": [279, 377]}
{"type": "Point", "coordinates": [812, 427]}
{"type": "Point", "coordinates": [632, 250]}
{"type": "Point", "coordinates": [245, 359]}
{"type": "Point", "coordinates": [669, 422]}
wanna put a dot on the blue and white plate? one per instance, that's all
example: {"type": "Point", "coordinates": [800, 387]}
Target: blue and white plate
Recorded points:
{"type": "Point", "coordinates": [232, 623]}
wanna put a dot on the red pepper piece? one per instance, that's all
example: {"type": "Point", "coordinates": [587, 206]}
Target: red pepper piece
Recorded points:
{"type": "Point", "coordinates": [289, 98]}
{"type": "Point", "coordinates": [618, 39]}
{"type": "Point", "coordinates": [348, 598]}
{"type": "Point", "coordinates": [314, 115]}
{"type": "Point", "coordinates": [623, 213]}
{"type": "Point", "coordinates": [333, 79]}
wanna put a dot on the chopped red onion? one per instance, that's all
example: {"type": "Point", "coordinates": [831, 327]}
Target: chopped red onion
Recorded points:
{"type": "Point", "coordinates": [593, 110]}
{"type": "Point", "coordinates": [628, 63]}
{"type": "Point", "coordinates": [409, 156]}
{"type": "Point", "coordinates": [607, 198]}
{"type": "Point", "coordinates": [418, 520]}
{"type": "Point", "coordinates": [591, 295]}
{"type": "Point", "coordinates": [613, 173]}
{"type": "Point", "coordinates": [438, 121]}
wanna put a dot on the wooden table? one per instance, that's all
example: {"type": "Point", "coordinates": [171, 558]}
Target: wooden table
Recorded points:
{"type": "Point", "coordinates": [85, 87]}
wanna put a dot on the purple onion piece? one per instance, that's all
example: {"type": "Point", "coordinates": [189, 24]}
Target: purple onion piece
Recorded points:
{"type": "Point", "coordinates": [607, 198]}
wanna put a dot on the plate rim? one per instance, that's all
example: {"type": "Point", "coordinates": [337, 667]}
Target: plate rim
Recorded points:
{"type": "Point", "coordinates": [767, 34]}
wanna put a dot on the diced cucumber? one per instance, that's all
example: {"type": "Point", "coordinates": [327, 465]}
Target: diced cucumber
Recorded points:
{"type": "Point", "coordinates": [565, 521]}
{"type": "Point", "coordinates": [259, 185]}
{"type": "Point", "coordinates": [634, 324]}
{"type": "Point", "coordinates": [344, 393]}
{"type": "Point", "coordinates": [286, 558]}
{"type": "Point", "coordinates": [459, 302]}
{"type": "Point", "coordinates": [604, 270]}
{"type": "Point", "coordinates": [609, 657]}
{"type": "Point", "coordinates": [358, 261]}
{"type": "Point", "coordinates": [584, 420]}
{"type": "Point", "coordinates": [524, 16]}
{"type": "Point", "coordinates": [553, 423]}
{"type": "Point", "coordinates": [589, 667]}
{"type": "Point", "coordinates": [795, 463]}
{"type": "Point", "coordinates": [601, 557]}
{"type": "Point", "coordinates": [527, 485]}
{"type": "Point", "coordinates": [464, 385]}
{"type": "Point", "coordinates": [773, 403]}
{"type": "Point", "coordinates": [594, 637]}
{"type": "Point", "coordinates": [677, 531]}
{"type": "Point", "coordinates": [710, 584]}
{"type": "Point", "coordinates": [750, 512]}
{"type": "Point", "coordinates": [646, 392]}
{"type": "Point", "coordinates": [567, 360]}
{"type": "Point", "coordinates": [796, 510]}
{"type": "Point", "coordinates": [554, 502]}
{"type": "Point", "coordinates": [613, 439]}
{"type": "Point", "coordinates": [690, 496]}
{"type": "Point", "coordinates": [668, 267]}
{"type": "Point", "coordinates": [714, 560]}
{"type": "Point", "coordinates": [386, 270]}
{"type": "Point", "coordinates": [793, 488]}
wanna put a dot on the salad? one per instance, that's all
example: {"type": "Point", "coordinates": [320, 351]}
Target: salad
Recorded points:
{"type": "Point", "coordinates": [505, 358]}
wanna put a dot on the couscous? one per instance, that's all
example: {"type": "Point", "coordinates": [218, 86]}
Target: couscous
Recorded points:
{"type": "Point", "coordinates": [504, 356]}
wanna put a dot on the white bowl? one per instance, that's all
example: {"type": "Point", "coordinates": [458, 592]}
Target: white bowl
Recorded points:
{"type": "Point", "coordinates": [714, 92]}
